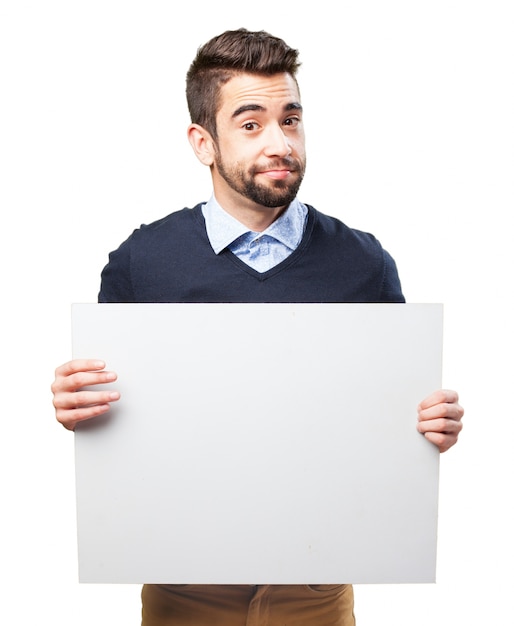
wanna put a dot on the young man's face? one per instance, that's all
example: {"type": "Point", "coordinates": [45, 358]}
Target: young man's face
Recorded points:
{"type": "Point", "coordinates": [260, 151]}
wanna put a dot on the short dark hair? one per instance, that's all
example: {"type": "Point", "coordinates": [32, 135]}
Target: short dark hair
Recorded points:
{"type": "Point", "coordinates": [232, 52]}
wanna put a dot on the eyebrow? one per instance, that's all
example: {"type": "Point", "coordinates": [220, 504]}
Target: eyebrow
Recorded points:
{"type": "Point", "coordinates": [292, 106]}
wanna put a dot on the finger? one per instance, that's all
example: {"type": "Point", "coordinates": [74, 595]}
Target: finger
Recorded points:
{"type": "Point", "coordinates": [81, 379]}
{"type": "Point", "coordinates": [442, 425]}
{"type": "Point", "coordinates": [79, 365]}
{"type": "Point", "coordinates": [70, 418]}
{"type": "Point", "coordinates": [83, 399]}
{"type": "Point", "coordinates": [441, 396]}
{"type": "Point", "coordinates": [90, 379]}
{"type": "Point", "coordinates": [442, 441]}
{"type": "Point", "coordinates": [451, 411]}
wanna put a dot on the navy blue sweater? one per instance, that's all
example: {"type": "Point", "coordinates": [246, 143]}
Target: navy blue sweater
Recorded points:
{"type": "Point", "coordinates": [171, 260]}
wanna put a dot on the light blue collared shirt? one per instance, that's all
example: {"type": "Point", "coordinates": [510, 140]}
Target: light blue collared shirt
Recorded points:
{"type": "Point", "coordinates": [261, 251]}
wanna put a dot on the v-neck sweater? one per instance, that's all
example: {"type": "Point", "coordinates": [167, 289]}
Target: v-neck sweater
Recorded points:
{"type": "Point", "coordinates": [171, 260]}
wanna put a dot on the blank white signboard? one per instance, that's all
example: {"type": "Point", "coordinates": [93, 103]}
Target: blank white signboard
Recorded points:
{"type": "Point", "coordinates": [259, 444]}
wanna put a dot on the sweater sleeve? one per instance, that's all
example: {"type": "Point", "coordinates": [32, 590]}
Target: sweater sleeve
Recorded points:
{"type": "Point", "coordinates": [116, 282]}
{"type": "Point", "coordinates": [391, 290]}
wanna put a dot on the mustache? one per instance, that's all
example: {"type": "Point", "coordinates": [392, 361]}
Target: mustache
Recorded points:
{"type": "Point", "coordinates": [284, 163]}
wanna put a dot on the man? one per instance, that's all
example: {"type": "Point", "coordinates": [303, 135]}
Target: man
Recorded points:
{"type": "Point", "coordinates": [253, 241]}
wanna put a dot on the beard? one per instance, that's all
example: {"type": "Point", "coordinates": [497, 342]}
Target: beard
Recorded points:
{"type": "Point", "coordinates": [277, 193]}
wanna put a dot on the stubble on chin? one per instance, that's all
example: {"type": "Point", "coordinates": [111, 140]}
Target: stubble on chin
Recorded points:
{"type": "Point", "coordinates": [277, 193]}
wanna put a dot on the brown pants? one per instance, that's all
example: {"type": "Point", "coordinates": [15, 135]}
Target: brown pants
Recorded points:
{"type": "Point", "coordinates": [248, 605]}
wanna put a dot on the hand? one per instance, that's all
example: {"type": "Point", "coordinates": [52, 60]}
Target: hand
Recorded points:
{"type": "Point", "coordinates": [439, 418]}
{"type": "Point", "coordinates": [72, 403]}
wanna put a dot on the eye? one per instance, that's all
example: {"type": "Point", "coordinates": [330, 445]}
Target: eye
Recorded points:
{"type": "Point", "coordinates": [250, 126]}
{"type": "Point", "coordinates": [292, 122]}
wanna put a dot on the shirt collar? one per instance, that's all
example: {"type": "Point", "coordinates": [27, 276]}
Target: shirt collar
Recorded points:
{"type": "Point", "coordinates": [223, 229]}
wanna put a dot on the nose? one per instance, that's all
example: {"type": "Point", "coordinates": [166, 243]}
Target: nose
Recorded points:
{"type": "Point", "coordinates": [277, 142]}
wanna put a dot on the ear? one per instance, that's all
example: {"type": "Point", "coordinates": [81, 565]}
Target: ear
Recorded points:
{"type": "Point", "coordinates": [202, 143]}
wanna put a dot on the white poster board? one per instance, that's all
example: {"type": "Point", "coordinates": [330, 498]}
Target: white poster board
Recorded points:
{"type": "Point", "coordinates": [259, 443]}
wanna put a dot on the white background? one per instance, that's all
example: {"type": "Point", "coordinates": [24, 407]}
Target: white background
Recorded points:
{"type": "Point", "coordinates": [409, 114]}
